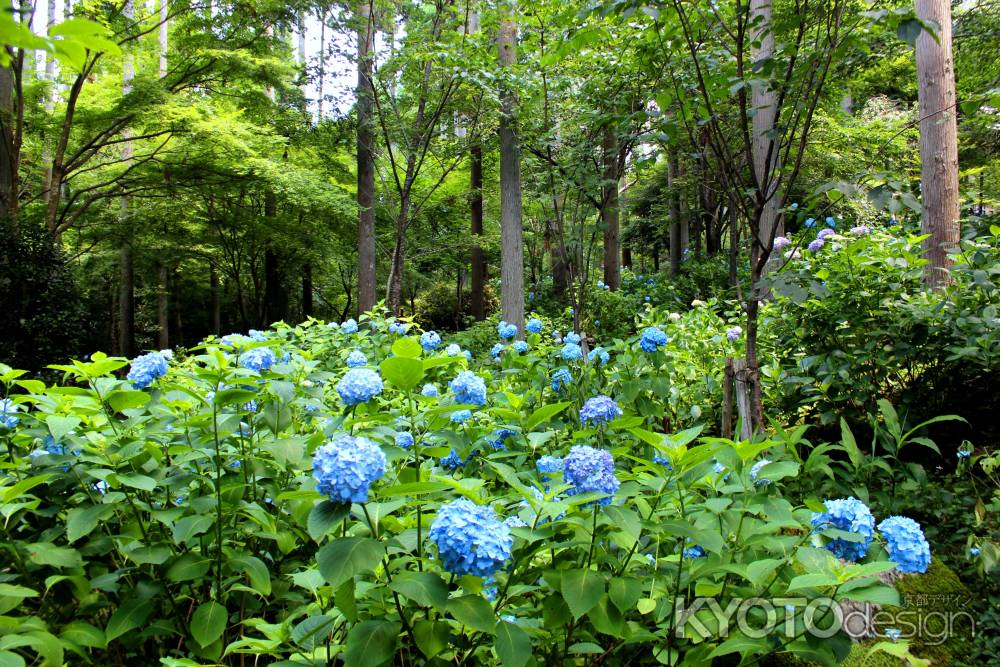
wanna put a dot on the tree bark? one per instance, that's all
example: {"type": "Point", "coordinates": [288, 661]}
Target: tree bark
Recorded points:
{"type": "Point", "coordinates": [162, 308]}
{"type": "Point", "coordinates": [307, 291]}
{"type": "Point", "coordinates": [126, 285]}
{"type": "Point", "coordinates": [366, 159]}
{"type": "Point", "coordinates": [938, 141]}
{"type": "Point", "coordinates": [764, 99]}
{"type": "Point", "coordinates": [216, 301]}
{"type": "Point", "coordinates": [673, 171]}
{"type": "Point", "coordinates": [609, 210]}
{"type": "Point", "coordinates": [164, 18]}
{"type": "Point", "coordinates": [511, 232]}
{"type": "Point", "coordinates": [478, 297]}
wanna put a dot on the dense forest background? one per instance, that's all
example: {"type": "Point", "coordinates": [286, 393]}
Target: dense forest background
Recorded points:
{"type": "Point", "coordinates": [197, 171]}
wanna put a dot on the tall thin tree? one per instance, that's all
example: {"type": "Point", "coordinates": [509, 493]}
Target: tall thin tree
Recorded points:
{"type": "Point", "coordinates": [609, 209]}
{"type": "Point", "coordinates": [511, 232]}
{"type": "Point", "coordinates": [366, 158]}
{"type": "Point", "coordinates": [938, 140]}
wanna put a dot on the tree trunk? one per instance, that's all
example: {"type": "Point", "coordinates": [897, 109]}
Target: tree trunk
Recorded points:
{"type": "Point", "coordinates": [216, 301]}
{"type": "Point", "coordinates": [938, 141]}
{"type": "Point", "coordinates": [163, 308]}
{"type": "Point", "coordinates": [765, 145]}
{"type": "Point", "coordinates": [8, 157]}
{"type": "Point", "coordinates": [609, 210]}
{"type": "Point", "coordinates": [366, 160]}
{"type": "Point", "coordinates": [275, 291]}
{"type": "Point", "coordinates": [307, 291]}
{"type": "Point", "coordinates": [126, 285]}
{"type": "Point", "coordinates": [394, 288]}
{"type": "Point", "coordinates": [50, 105]}
{"type": "Point", "coordinates": [673, 171]}
{"type": "Point", "coordinates": [734, 242]}
{"type": "Point", "coordinates": [511, 233]}
{"type": "Point", "coordinates": [478, 297]}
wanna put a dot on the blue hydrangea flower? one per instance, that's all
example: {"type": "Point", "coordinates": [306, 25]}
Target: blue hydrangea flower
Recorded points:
{"type": "Point", "coordinates": [8, 418]}
{"type": "Point", "coordinates": [500, 438]}
{"type": "Point", "coordinates": [816, 245]}
{"type": "Point", "coordinates": [549, 465]}
{"type": "Point", "coordinates": [404, 439]}
{"type": "Point", "coordinates": [781, 242]}
{"type": "Point", "coordinates": [573, 337]}
{"type": "Point", "coordinates": [860, 230]}
{"type": "Point", "coordinates": [398, 328]}
{"type": "Point", "coordinates": [847, 514]}
{"type": "Point", "coordinates": [258, 359]}
{"type": "Point", "coordinates": [531, 296]}
{"type": "Point", "coordinates": [453, 350]}
{"type": "Point", "coordinates": [591, 470]}
{"type": "Point", "coordinates": [561, 379]}
{"type": "Point", "coordinates": [429, 391]}
{"type": "Point", "coordinates": [719, 469]}
{"type": "Point", "coordinates": [733, 334]}
{"type": "Point", "coordinates": [469, 388]}
{"type": "Point", "coordinates": [496, 351]}
{"type": "Point", "coordinates": [906, 544]}
{"type": "Point", "coordinates": [599, 410]}
{"type": "Point", "coordinates": [430, 340]}
{"type": "Point", "coordinates": [359, 385]}
{"type": "Point", "coordinates": [514, 522]}
{"type": "Point", "coordinates": [694, 551]}
{"type": "Point", "coordinates": [257, 336]}
{"type": "Point", "coordinates": [599, 355]}
{"type": "Point", "coordinates": [756, 469]}
{"type": "Point", "coordinates": [520, 346]}
{"type": "Point", "coordinates": [810, 223]}
{"type": "Point", "coordinates": [823, 233]}
{"type": "Point", "coordinates": [506, 331]}
{"type": "Point", "coordinates": [346, 467]}
{"type": "Point", "coordinates": [460, 416]}
{"type": "Point", "coordinates": [663, 461]}
{"type": "Point", "coordinates": [453, 461]}
{"type": "Point", "coordinates": [146, 368]}
{"type": "Point", "coordinates": [974, 551]}
{"type": "Point", "coordinates": [349, 327]}
{"type": "Point", "coordinates": [652, 339]}
{"type": "Point", "coordinates": [600, 284]}
{"type": "Point", "coordinates": [470, 539]}
{"type": "Point", "coordinates": [534, 325]}
{"type": "Point", "coordinates": [646, 298]}
{"type": "Point", "coordinates": [830, 222]}
{"type": "Point", "coordinates": [893, 633]}
{"type": "Point", "coordinates": [571, 352]}
{"type": "Point", "coordinates": [356, 359]}
{"type": "Point", "coordinates": [964, 453]}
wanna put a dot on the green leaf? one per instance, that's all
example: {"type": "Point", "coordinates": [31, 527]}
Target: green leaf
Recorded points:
{"type": "Point", "coordinates": [81, 521]}
{"type": "Point", "coordinates": [46, 553]}
{"type": "Point", "coordinates": [425, 588]}
{"type": "Point", "coordinates": [137, 481]}
{"type": "Point", "coordinates": [9, 658]}
{"type": "Point", "coordinates": [60, 426]}
{"type": "Point", "coordinates": [256, 571]}
{"type": "Point", "coordinates": [233, 397]}
{"type": "Point", "coordinates": [512, 644]}
{"type": "Point", "coordinates": [371, 643]}
{"type": "Point", "coordinates": [404, 372]}
{"type": "Point", "coordinates": [188, 567]}
{"type": "Point", "coordinates": [624, 592]}
{"type": "Point", "coordinates": [15, 591]}
{"type": "Point", "coordinates": [312, 631]}
{"type": "Point", "coordinates": [850, 444]}
{"type": "Point", "coordinates": [473, 611]}
{"type": "Point", "coordinates": [190, 527]}
{"type": "Point", "coordinates": [83, 634]}
{"type": "Point", "coordinates": [208, 623]}
{"type": "Point", "coordinates": [408, 348]}
{"type": "Point", "coordinates": [778, 470]}
{"type": "Point", "coordinates": [877, 594]}
{"type": "Point", "coordinates": [121, 400]}
{"type": "Point", "coordinates": [345, 557]}
{"type": "Point", "coordinates": [544, 414]}
{"type": "Point", "coordinates": [432, 637]}
{"type": "Point", "coordinates": [581, 589]}
{"type": "Point", "coordinates": [324, 516]}
{"type": "Point", "coordinates": [127, 617]}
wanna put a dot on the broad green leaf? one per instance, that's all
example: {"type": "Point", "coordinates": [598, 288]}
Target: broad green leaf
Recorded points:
{"type": "Point", "coordinates": [324, 516]}
{"type": "Point", "coordinates": [512, 644]}
{"type": "Point", "coordinates": [60, 426]}
{"type": "Point", "coordinates": [408, 347]}
{"type": "Point", "coordinates": [188, 567]}
{"type": "Point", "coordinates": [404, 372]}
{"type": "Point", "coordinates": [126, 399]}
{"type": "Point", "coordinates": [190, 527]}
{"type": "Point", "coordinates": [582, 589]}
{"type": "Point", "coordinates": [345, 557]}
{"type": "Point", "coordinates": [544, 414]}
{"type": "Point", "coordinates": [473, 611]}
{"type": "Point", "coordinates": [46, 553]}
{"type": "Point", "coordinates": [137, 481]}
{"type": "Point", "coordinates": [83, 634]}
{"type": "Point", "coordinates": [81, 521]}
{"type": "Point", "coordinates": [313, 631]}
{"type": "Point", "coordinates": [427, 589]}
{"type": "Point", "coordinates": [129, 616]}
{"type": "Point", "coordinates": [256, 571]}
{"type": "Point", "coordinates": [432, 636]}
{"type": "Point", "coordinates": [15, 591]}
{"type": "Point", "coordinates": [208, 623]}
{"type": "Point", "coordinates": [371, 643]}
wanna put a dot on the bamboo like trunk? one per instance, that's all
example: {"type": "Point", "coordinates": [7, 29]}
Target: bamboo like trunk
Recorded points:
{"type": "Point", "coordinates": [609, 210]}
{"type": "Point", "coordinates": [764, 99]}
{"type": "Point", "coordinates": [163, 307]}
{"type": "Point", "coordinates": [366, 159]}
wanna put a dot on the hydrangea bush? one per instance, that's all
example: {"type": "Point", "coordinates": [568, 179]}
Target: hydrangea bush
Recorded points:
{"type": "Point", "coordinates": [307, 510]}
